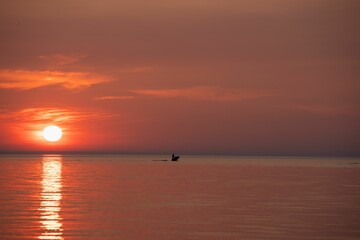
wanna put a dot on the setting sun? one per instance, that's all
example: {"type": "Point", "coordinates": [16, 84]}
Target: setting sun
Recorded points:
{"type": "Point", "coordinates": [52, 133]}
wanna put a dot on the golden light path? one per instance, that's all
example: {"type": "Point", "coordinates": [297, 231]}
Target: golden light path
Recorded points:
{"type": "Point", "coordinates": [50, 205]}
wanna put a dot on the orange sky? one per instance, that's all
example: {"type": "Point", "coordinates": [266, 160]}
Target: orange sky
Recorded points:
{"type": "Point", "coordinates": [254, 77]}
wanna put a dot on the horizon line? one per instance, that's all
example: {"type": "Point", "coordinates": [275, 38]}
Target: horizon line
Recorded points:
{"type": "Point", "coordinates": [183, 154]}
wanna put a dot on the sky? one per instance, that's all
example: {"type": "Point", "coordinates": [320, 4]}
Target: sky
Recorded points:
{"type": "Point", "coordinates": [234, 77]}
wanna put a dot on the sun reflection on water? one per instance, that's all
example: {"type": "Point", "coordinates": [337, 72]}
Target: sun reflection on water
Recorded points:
{"type": "Point", "coordinates": [50, 205]}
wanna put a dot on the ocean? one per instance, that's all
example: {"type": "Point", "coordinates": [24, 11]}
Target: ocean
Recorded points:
{"type": "Point", "coordinates": [198, 197]}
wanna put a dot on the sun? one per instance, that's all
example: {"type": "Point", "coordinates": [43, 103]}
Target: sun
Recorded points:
{"type": "Point", "coordinates": [52, 133]}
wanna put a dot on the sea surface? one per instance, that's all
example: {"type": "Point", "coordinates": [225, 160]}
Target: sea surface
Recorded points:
{"type": "Point", "coordinates": [198, 197]}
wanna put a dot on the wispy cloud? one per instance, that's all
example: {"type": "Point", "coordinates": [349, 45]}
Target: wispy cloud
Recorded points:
{"type": "Point", "coordinates": [62, 59]}
{"type": "Point", "coordinates": [143, 69]}
{"type": "Point", "coordinates": [115, 98]}
{"type": "Point", "coordinates": [28, 123]}
{"type": "Point", "coordinates": [24, 79]}
{"type": "Point", "coordinates": [50, 115]}
{"type": "Point", "coordinates": [205, 93]}
{"type": "Point", "coordinates": [325, 110]}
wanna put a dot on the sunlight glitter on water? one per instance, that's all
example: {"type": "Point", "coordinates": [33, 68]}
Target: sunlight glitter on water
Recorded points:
{"type": "Point", "coordinates": [51, 195]}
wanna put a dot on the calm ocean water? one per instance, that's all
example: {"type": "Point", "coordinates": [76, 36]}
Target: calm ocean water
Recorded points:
{"type": "Point", "coordinates": [134, 197]}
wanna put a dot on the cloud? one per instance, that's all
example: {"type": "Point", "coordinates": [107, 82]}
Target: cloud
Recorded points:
{"type": "Point", "coordinates": [24, 79]}
{"type": "Point", "coordinates": [26, 124]}
{"type": "Point", "coordinates": [143, 69]}
{"type": "Point", "coordinates": [62, 59]}
{"type": "Point", "coordinates": [325, 110]}
{"type": "Point", "coordinates": [115, 98]}
{"type": "Point", "coordinates": [205, 93]}
{"type": "Point", "coordinates": [50, 115]}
